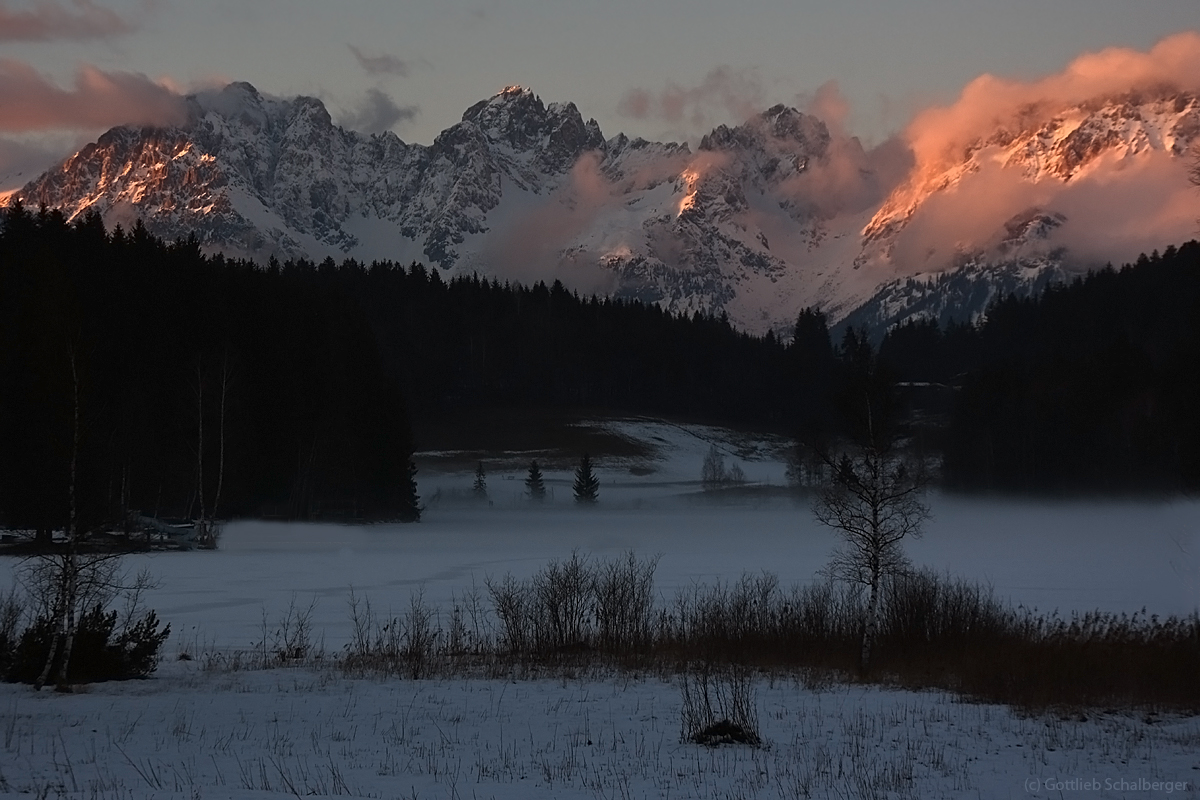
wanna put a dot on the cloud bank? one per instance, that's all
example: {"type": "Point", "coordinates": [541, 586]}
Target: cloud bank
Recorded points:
{"type": "Point", "coordinates": [99, 99]}
{"type": "Point", "coordinates": [534, 247]}
{"type": "Point", "coordinates": [24, 158]}
{"type": "Point", "coordinates": [938, 135]}
{"type": "Point", "coordinates": [1114, 210]}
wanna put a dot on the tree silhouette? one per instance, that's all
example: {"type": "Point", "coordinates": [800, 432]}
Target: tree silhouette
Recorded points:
{"type": "Point", "coordinates": [410, 501]}
{"type": "Point", "coordinates": [480, 486]}
{"type": "Point", "coordinates": [874, 499]}
{"type": "Point", "coordinates": [534, 484]}
{"type": "Point", "coordinates": [587, 486]}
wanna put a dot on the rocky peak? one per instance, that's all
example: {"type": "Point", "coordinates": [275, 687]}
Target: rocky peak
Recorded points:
{"type": "Point", "coordinates": [312, 109]}
{"type": "Point", "coordinates": [778, 143]}
{"type": "Point", "coordinates": [778, 127]}
{"type": "Point", "coordinates": [237, 102]}
{"type": "Point", "coordinates": [517, 117]}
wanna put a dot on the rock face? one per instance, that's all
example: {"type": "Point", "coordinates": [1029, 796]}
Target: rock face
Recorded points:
{"type": "Point", "coordinates": [763, 219]}
{"type": "Point", "coordinates": [257, 175]}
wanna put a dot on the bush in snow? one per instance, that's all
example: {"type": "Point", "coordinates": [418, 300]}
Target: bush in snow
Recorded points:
{"type": "Point", "coordinates": [97, 654]}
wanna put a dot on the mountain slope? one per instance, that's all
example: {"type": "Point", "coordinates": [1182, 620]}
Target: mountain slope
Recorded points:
{"type": "Point", "coordinates": [763, 219]}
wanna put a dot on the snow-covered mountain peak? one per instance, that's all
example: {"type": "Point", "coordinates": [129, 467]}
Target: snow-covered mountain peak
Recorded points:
{"type": "Point", "coordinates": [763, 219]}
{"type": "Point", "coordinates": [238, 101]}
{"type": "Point", "coordinates": [1054, 147]}
{"type": "Point", "coordinates": [778, 132]}
{"type": "Point", "coordinates": [766, 153]}
{"type": "Point", "coordinates": [520, 128]}
{"type": "Point", "coordinates": [1099, 181]}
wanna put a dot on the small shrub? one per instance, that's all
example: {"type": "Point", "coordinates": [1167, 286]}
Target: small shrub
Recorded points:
{"type": "Point", "coordinates": [95, 654]}
{"type": "Point", "coordinates": [141, 644]}
{"type": "Point", "coordinates": [419, 637]}
{"type": "Point", "coordinates": [719, 707]}
{"type": "Point", "coordinates": [624, 600]}
{"type": "Point", "coordinates": [511, 602]}
{"type": "Point", "coordinates": [563, 593]}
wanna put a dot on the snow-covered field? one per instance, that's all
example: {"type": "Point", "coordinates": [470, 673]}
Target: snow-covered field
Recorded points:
{"type": "Point", "coordinates": [1119, 557]}
{"type": "Point", "coordinates": [191, 733]}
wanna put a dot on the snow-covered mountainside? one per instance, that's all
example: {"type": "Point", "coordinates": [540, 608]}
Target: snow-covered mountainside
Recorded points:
{"type": "Point", "coordinates": [761, 220]}
{"type": "Point", "coordinates": [1104, 180]}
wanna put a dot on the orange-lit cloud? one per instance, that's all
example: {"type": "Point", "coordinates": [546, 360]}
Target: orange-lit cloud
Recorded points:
{"type": "Point", "coordinates": [30, 102]}
{"type": "Point", "coordinates": [724, 93]}
{"type": "Point", "coordinates": [1112, 213]}
{"type": "Point", "coordinates": [848, 179]}
{"type": "Point", "coordinates": [48, 20]}
{"type": "Point", "coordinates": [988, 102]}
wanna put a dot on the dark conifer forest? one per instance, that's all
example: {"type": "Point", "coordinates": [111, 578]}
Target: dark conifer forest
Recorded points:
{"type": "Point", "coordinates": [115, 348]}
{"type": "Point", "coordinates": [154, 378]}
{"type": "Point", "coordinates": [1091, 387]}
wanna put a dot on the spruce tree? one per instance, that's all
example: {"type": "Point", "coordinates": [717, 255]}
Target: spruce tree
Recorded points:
{"type": "Point", "coordinates": [587, 486]}
{"type": "Point", "coordinates": [410, 502]}
{"type": "Point", "coordinates": [480, 482]}
{"type": "Point", "coordinates": [534, 484]}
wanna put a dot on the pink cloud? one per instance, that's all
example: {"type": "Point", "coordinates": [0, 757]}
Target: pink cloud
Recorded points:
{"type": "Point", "coordinates": [30, 102]}
{"type": "Point", "coordinates": [989, 102]}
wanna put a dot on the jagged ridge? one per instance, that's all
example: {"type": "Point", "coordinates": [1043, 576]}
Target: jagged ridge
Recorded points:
{"type": "Point", "coordinates": [742, 226]}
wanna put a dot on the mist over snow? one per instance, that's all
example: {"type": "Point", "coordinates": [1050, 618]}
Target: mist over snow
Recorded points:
{"type": "Point", "coordinates": [1074, 556]}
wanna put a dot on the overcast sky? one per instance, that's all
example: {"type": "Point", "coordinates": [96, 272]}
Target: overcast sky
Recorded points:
{"type": "Point", "coordinates": [662, 69]}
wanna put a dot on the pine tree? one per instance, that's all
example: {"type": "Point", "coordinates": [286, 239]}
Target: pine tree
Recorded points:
{"type": "Point", "coordinates": [410, 502]}
{"type": "Point", "coordinates": [480, 482]}
{"type": "Point", "coordinates": [534, 484]}
{"type": "Point", "coordinates": [587, 486]}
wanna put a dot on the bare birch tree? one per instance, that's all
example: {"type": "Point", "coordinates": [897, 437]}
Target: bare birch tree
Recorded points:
{"type": "Point", "coordinates": [66, 581]}
{"type": "Point", "coordinates": [874, 494]}
{"type": "Point", "coordinates": [874, 502]}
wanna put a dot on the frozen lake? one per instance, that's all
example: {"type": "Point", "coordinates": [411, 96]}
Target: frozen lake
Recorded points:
{"type": "Point", "coordinates": [1118, 556]}
{"type": "Point", "coordinates": [1065, 556]}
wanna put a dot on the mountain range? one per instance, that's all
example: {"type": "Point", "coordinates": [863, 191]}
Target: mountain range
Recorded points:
{"type": "Point", "coordinates": [758, 221]}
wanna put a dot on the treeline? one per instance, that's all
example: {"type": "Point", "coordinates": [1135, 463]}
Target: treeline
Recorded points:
{"type": "Point", "coordinates": [140, 376]}
{"type": "Point", "coordinates": [470, 342]}
{"type": "Point", "coordinates": [1090, 386]}
{"type": "Point", "coordinates": [303, 376]}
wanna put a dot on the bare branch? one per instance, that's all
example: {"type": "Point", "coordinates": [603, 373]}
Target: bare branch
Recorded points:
{"type": "Point", "coordinates": [873, 502]}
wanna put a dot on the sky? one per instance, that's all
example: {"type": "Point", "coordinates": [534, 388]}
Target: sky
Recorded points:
{"type": "Point", "coordinates": [661, 69]}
